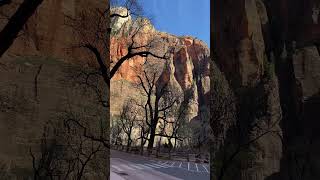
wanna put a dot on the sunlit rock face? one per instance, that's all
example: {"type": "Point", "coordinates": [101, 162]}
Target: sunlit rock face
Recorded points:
{"type": "Point", "coordinates": [186, 69]}
{"type": "Point", "coordinates": [118, 22]}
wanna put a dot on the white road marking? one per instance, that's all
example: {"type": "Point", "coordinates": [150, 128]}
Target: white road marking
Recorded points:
{"type": "Point", "coordinates": [157, 165]}
{"type": "Point", "coordinates": [164, 163]}
{"type": "Point", "coordinates": [138, 167]}
{"type": "Point", "coordinates": [116, 167]}
{"type": "Point", "coordinates": [205, 168]}
{"type": "Point", "coordinates": [188, 166]}
{"type": "Point", "coordinates": [180, 165]}
{"type": "Point", "coordinates": [153, 166]}
{"type": "Point", "coordinates": [147, 167]}
{"type": "Point", "coordinates": [160, 165]}
{"type": "Point", "coordinates": [197, 167]}
{"type": "Point", "coordinates": [126, 166]}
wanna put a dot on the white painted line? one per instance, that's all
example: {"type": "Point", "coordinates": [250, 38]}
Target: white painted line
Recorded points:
{"type": "Point", "coordinates": [146, 167]}
{"type": "Point", "coordinates": [205, 168]}
{"type": "Point", "coordinates": [172, 164]}
{"type": "Point", "coordinates": [188, 166]}
{"type": "Point", "coordinates": [161, 166]}
{"type": "Point", "coordinates": [138, 167]}
{"type": "Point", "coordinates": [126, 166]}
{"type": "Point", "coordinates": [116, 167]}
{"type": "Point", "coordinates": [153, 166]}
{"type": "Point", "coordinates": [197, 167]}
{"type": "Point", "coordinates": [164, 163]}
{"type": "Point", "coordinates": [180, 165]}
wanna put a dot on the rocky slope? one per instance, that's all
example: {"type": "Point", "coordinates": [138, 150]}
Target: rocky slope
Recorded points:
{"type": "Point", "coordinates": [186, 70]}
{"type": "Point", "coordinates": [251, 35]}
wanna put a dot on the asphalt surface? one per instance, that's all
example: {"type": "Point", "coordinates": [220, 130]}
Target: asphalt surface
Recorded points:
{"type": "Point", "coordinates": [135, 167]}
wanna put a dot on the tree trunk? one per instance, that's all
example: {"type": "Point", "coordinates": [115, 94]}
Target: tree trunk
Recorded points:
{"type": "Point", "coordinates": [141, 148]}
{"type": "Point", "coordinates": [128, 144]}
{"type": "Point", "coordinates": [170, 147]}
{"type": "Point", "coordinates": [10, 32]}
{"type": "Point", "coordinates": [151, 140]}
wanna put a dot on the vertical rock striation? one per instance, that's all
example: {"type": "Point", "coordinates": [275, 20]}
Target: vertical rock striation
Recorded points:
{"type": "Point", "coordinates": [274, 44]}
{"type": "Point", "coordinates": [186, 69]}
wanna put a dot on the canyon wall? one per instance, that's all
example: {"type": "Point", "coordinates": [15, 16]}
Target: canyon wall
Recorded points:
{"type": "Point", "coordinates": [38, 89]}
{"type": "Point", "coordinates": [48, 40]}
{"type": "Point", "coordinates": [254, 39]}
{"type": "Point", "coordinates": [48, 32]}
{"type": "Point", "coordinates": [187, 68]}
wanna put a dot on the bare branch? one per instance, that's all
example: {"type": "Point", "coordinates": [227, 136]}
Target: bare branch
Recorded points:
{"type": "Point", "coordinates": [16, 23]}
{"type": "Point", "coordinates": [36, 83]}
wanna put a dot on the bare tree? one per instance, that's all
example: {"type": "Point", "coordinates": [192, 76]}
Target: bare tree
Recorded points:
{"type": "Point", "coordinates": [115, 131]}
{"type": "Point", "coordinates": [69, 152]}
{"type": "Point", "coordinates": [90, 81]}
{"type": "Point", "coordinates": [200, 132]}
{"type": "Point", "coordinates": [172, 121]}
{"type": "Point", "coordinates": [16, 22]}
{"type": "Point", "coordinates": [91, 30]}
{"type": "Point", "coordinates": [132, 7]}
{"type": "Point", "coordinates": [154, 110]}
{"type": "Point", "coordinates": [93, 33]}
{"type": "Point", "coordinates": [64, 161]}
{"type": "Point", "coordinates": [144, 133]}
{"type": "Point", "coordinates": [91, 27]}
{"type": "Point", "coordinates": [238, 124]}
{"type": "Point", "coordinates": [128, 118]}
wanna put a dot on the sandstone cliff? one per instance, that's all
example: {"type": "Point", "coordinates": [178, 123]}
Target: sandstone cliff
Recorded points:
{"type": "Point", "coordinates": [47, 32]}
{"type": "Point", "coordinates": [186, 70]}
{"type": "Point", "coordinates": [31, 104]}
{"type": "Point", "coordinates": [254, 39]}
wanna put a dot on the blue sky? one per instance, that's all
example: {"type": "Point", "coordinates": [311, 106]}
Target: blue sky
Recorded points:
{"type": "Point", "coordinates": [180, 17]}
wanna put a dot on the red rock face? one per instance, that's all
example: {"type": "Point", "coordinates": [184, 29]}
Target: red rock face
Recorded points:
{"type": "Point", "coordinates": [186, 70]}
{"type": "Point", "coordinates": [183, 68]}
{"type": "Point", "coordinates": [191, 57]}
{"type": "Point", "coordinates": [47, 33]}
{"type": "Point", "coordinates": [128, 70]}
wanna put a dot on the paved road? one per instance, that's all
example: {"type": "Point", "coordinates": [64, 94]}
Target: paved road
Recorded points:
{"type": "Point", "coordinates": [134, 167]}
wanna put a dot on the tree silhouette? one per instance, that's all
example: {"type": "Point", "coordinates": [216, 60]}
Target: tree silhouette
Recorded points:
{"type": "Point", "coordinates": [154, 109]}
{"type": "Point", "coordinates": [16, 22]}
